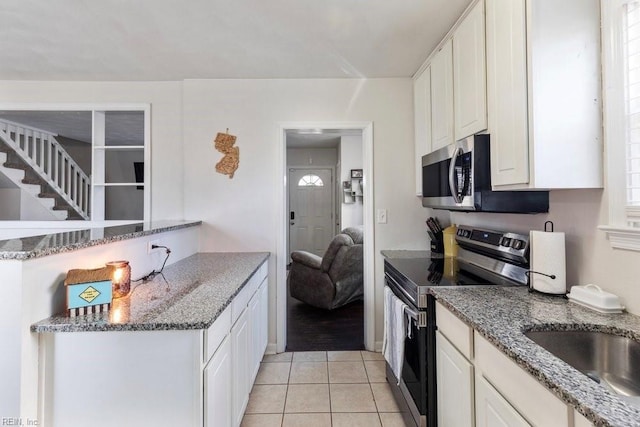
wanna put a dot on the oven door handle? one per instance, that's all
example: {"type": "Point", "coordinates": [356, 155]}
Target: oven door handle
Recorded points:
{"type": "Point", "coordinates": [420, 317]}
{"type": "Point", "coordinates": [396, 286]}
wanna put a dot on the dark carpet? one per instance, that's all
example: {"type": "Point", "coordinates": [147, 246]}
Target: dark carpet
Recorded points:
{"type": "Point", "coordinates": [315, 329]}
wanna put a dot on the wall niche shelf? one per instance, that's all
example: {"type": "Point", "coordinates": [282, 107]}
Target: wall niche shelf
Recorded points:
{"type": "Point", "coordinates": [352, 191]}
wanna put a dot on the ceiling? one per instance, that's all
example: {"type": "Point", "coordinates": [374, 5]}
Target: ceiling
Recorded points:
{"type": "Point", "coordinates": [149, 40]}
{"type": "Point", "coordinates": [318, 138]}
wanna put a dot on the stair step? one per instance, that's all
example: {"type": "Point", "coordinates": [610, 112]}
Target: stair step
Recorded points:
{"type": "Point", "coordinates": [14, 165]}
{"type": "Point", "coordinates": [48, 195]}
{"type": "Point", "coordinates": [31, 181]}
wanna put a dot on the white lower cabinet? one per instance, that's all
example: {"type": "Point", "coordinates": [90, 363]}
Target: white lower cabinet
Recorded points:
{"type": "Point", "coordinates": [239, 366]}
{"type": "Point", "coordinates": [259, 322]}
{"type": "Point", "coordinates": [500, 394]}
{"type": "Point", "coordinates": [455, 385]}
{"type": "Point", "coordinates": [217, 388]}
{"type": "Point", "coordinates": [492, 410]}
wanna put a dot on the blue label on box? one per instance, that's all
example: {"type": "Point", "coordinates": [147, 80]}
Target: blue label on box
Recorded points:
{"type": "Point", "coordinates": [88, 294]}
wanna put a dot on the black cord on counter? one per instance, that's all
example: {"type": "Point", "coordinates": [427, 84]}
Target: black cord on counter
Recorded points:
{"type": "Point", "coordinates": [154, 273]}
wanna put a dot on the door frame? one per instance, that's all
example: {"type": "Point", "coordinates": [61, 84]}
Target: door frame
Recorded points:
{"type": "Point", "coordinates": [283, 224]}
{"type": "Point", "coordinates": [334, 180]}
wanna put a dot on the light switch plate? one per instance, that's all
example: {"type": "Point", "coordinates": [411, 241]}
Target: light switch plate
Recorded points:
{"type": "Point", "coordinates": [381, 216]}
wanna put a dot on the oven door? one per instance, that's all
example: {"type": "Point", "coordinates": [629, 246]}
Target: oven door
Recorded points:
{"type": "Point", "coordinates": [411, 393]}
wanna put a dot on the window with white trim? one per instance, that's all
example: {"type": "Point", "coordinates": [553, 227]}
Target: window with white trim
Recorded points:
{"type": "Point", "coordinates": [621, 78]}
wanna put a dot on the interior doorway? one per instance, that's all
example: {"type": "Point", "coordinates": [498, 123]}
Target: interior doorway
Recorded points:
{"type": "Point", "coordinates": [309, 168]}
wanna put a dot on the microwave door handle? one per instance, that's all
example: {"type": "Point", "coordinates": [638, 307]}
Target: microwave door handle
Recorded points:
{"type": "Point", "coordinates": [452, 172]}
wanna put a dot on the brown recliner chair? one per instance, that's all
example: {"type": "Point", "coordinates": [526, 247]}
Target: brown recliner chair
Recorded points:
{"type": "Point", "coordinates": [335, 279]}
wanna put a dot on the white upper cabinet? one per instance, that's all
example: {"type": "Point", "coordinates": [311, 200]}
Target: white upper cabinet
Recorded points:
{"type": "Point", "coordinates": [422, 122]}
{"type": "Point", "coordinates": [442, 97]}
{"type": "Point", "coordinates": [507, 91]}
{"type": "Point", "coordinates": [544, 93]}
{"type": "Point", "coordinates": [469, 74]}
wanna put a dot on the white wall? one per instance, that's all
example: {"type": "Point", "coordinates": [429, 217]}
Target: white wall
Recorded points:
{"type": "Point", "coordinates": [312, 157]}
{"type": "Point", "coordinates": [350, 158]}
{"type": "Point", "coordinates": [166, 125]}
{"type": "Point", "coordinates": [239, 214]}
{"type": "Point", "coordinates": [31, 209]}
{"type": "Point", "coordinates": [9, 203]}
{"type": "Point", "coordinates": [589, 256]}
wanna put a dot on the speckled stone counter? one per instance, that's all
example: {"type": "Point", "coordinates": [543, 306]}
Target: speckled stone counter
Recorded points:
{"type": "Point", "coordinates": [502, 314]}
{"type": "Point", "coordinates": [190, 294]}
{"type": "Point", "coordinates": [38, 246]}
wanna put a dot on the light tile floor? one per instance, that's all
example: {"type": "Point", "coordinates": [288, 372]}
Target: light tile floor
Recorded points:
{"type": "Point", "coordinates": [322, 389]}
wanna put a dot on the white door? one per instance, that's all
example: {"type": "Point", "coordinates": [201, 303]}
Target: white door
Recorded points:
{"type": "Point", "coordinates": [492, 410]}
{"type": "Point", "coordinates": [217, 388]}
{"type": "Point", "coordinates": [469, 75]}
{"type": "Point", "coordinates": [310, 210]}
{"type": "Point", "coordinates": [454, 375]}
{"type": "Point", "coordinates": [442, 97]}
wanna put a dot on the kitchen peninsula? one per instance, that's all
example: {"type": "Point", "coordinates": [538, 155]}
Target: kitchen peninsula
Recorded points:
{"type": "Point", "coordinates": [32, 271]}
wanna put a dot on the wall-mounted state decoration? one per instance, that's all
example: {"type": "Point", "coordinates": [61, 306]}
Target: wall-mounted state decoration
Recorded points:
{"type": "Point", "coordinates": [88, 291]}
{"type": "Point", "coordinates": [231, 159]}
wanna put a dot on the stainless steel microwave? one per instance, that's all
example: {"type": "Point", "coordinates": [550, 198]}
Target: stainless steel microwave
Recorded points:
{"type": "Point", "coordinates": [458, 177]}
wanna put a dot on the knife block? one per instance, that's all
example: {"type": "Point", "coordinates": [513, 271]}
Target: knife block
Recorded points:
{"type": "Point", "coordinates": [437, 246]}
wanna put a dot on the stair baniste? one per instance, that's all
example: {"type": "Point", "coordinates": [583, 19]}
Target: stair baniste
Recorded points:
{"type": "Point", "coordinates": [47, 164]}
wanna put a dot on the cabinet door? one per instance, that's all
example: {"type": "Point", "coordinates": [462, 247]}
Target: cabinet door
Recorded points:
{"type": "Point", "coordinates": [217, 388]}
{"type": "Point", "coordinates": [264, 318]}
{"type": "Point", "coordinates": [470, 75]}
{"type": "Point", "coordinates": [455, 385]}
{"type": "Point", "coordinates": [422, 122]}
{"type": "Point", "coordinates": [240, 345]}
{"type": "Point", "coordinates": [442, 97]}
{"type": "Point", "coordinates": [255, 355]}
{"type": "Point", "coordinates": [492, 410]}
{"type": "Point", "coordinates": [507, 91]}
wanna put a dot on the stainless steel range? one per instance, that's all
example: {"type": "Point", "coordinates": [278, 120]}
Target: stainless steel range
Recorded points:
{"type": "Point", "coordinates": [485, 257]}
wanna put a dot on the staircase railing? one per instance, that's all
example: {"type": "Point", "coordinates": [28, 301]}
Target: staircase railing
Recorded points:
{"type": "Point", "coordinates": [40, 150]}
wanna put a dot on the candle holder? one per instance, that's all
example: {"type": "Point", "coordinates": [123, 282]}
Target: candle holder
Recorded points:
{"type": "Point", "coordinates": [120, 278]}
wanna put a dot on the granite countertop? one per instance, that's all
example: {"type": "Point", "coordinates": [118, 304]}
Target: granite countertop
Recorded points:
{"type": "Point", "coordinates": [190, 294]}
{"type": "Point", "coordinates": [38, 246]}
{"type": "Point", "coordinates": [513, 310]}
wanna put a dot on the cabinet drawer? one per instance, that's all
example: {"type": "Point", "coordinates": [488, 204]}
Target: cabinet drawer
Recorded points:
{"type": "Point", "coordinates": [215, 334]}
{"type": "Point", "coordinates": [530, 398]}
{"type": "Point", "coordinates": [457, 332]}
{"type": "Point", "coordinates": [242, 299]}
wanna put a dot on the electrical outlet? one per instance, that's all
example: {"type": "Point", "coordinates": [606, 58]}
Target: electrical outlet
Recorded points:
{"type": "Point", "coordinates": [150, 244]}
{"type": "Point", "coordinates": [382, 216]}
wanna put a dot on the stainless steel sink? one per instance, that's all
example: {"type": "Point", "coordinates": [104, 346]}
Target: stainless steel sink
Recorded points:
{"type": "Point", "coordinates": [610, 360]}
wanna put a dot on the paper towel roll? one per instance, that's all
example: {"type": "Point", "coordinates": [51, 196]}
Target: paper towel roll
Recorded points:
{"type": "Point", "coordinates": [547, 257]}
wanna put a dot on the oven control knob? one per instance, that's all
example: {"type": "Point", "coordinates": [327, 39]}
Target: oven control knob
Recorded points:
{"type": "Point", "coordinates": [459, 232]}
{"type": "Point", "coordinates": [467, 233]}
{"type": "Point", "coordinates": [505, 241]}
{"type": "Point", "coordinates": [517, 244]}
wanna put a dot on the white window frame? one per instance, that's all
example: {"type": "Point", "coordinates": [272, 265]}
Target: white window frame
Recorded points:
{"type": "Point", "coordinates": [620, 234]}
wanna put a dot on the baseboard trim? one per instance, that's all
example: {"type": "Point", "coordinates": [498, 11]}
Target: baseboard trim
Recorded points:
{"type": "Point", "coordinates": [271, 348]}
{"type": "Point", "coordinates": [378, 346]}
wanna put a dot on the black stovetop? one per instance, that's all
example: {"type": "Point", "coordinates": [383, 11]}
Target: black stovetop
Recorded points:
{"type": "Point", "coordinates": [429, 272]}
